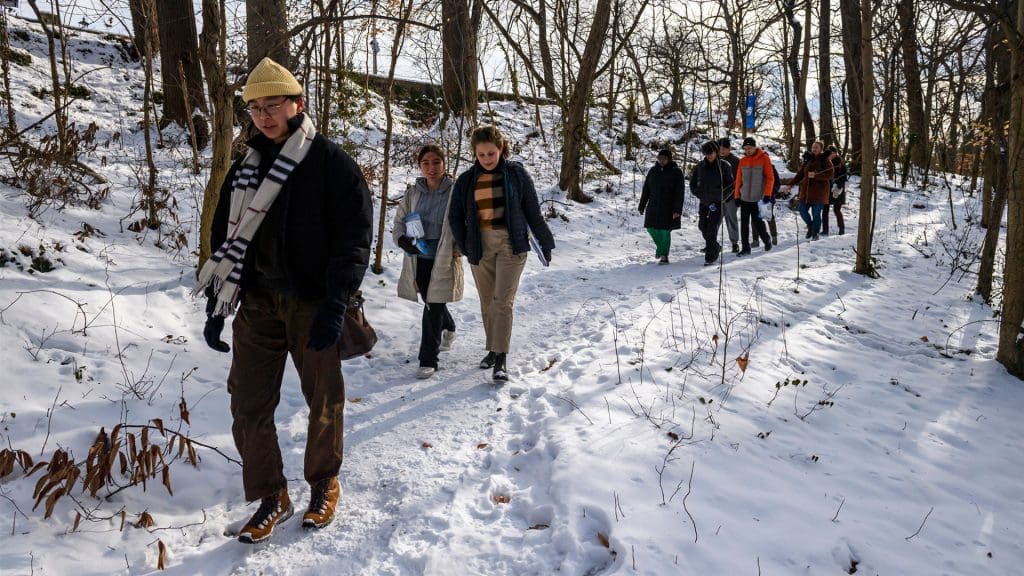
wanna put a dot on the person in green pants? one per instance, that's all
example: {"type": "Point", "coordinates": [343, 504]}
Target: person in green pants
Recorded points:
{"type": "Point", "coordinates": [661, 203]}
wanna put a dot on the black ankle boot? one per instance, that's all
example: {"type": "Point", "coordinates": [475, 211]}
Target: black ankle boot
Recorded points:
{"type": "Point", "coordinates": [488, 361]}
{"type": "Point", "coordinates": [500, 373]}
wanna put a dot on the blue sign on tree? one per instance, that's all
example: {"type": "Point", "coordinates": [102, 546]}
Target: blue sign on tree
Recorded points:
{"type": "Point", "coordinates": [749, 114]}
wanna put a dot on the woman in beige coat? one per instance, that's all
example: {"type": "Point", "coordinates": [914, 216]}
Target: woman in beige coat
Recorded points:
{"type": "Point", "coordinates": [432, 267]}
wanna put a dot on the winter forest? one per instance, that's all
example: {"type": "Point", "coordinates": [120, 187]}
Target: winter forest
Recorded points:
{"type": "Point", "coordinates": [523, 287]}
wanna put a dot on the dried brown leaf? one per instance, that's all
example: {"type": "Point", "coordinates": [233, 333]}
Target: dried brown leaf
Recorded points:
{"type": "Point", "coordinates": [37, 467]}
{"type": "Point", "coordinates": [159, 426]}
{"type": "Point", "coordinates": [123, 462]}
{"type": "Point", "coordinates": [193, 458]}
{"type": "Point", "coordinates": [356, 400]}
{"type": "Point", "coordinates": [183, 409]}
{"type": "Point", "coordinates": [145, 521]}
{"type": "Point", "coordinates": [78, 520]}
{"type": "Point", "coordinates": [6, 462]}
{"type": "Point", "coordinates": [603, 539]}
{"type": "Point", "coordinates": [167, 480]}
{"type": "Point", "coordinates": [924, 338]}
{"type": "Point", "coordinates": [51, 501]}
{"type": "Point", "coordinates": [24, 459]}
{"type": "Point", "coordinates": [123, 516]}
{"type": "Point", "coordinates": [427, 445]}
{"type": "Point", "coordinates": [742, 361]}
{"type": "Point", "coordinates": [162, 557]}
{"type": "Point", "coordinates": [501, 498]}
{"type": "Point", "coordinates": [481, 445]}
{"type": "Point", "coordinates": [539, 527]}
{"type": "Point", "coordinates": [144, 440]}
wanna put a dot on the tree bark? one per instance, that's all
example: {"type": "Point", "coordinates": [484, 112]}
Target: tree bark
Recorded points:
{"type": "Point", "coordinates": [1011, 321]}
{"type": "Point", "coordinates": [396, 50]}
{"type": "Point", "coordinates": [995, 103]}
{"type": "Point", "coordinates": [917, 135]}
{"type": "Point", "coordinates": [853, 61]}
{"type": "Point", "coordinates": [459, 58]}
{"type": "Point", "coordinates": [825, 72]}
{"type": "Point", "coordinates": [865, 227]}
{"type": "Point", "coordinates": [574, 130]}
{"type": "Point", "coordinates": [11, 129]}
{"type": "Point", "coordinates": [140, 24]}
{"type": "Point", "coordinates": [179, 66]}
{"type": "Point", "coordinates": [266, 27]}
{"type": "Point", "coordinates": [213, 54]}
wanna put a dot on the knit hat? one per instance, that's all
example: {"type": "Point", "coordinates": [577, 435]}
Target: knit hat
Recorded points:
{"type": "Point", "coordinates": [269, 78]}
{"type": "Point", "coordinates": [749, 141]}
{"type": "Point", "coordinates": [666, 153]}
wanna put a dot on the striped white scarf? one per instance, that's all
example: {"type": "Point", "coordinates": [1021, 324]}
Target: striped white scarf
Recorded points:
{"type": "Point", "coordinates": [250, 201]}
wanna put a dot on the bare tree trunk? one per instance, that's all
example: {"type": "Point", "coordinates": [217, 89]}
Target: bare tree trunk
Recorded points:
{"type": "Point", "coordinates": [825, 72]}
{"type": "Point", "coordinates": [179, 67]}
{"type": "Point", "coordinates": [396, 50]}
{"type": "Point", "coordinates": [866, 225]}
{"type": "Point", "coordinates": [995, 103]}
{"type": "Point", "coordinates": [574, 134]}
{"type": "Point", "coordinates": [59, 113]}
{"type": "Point", "coordinates": [853, 61]}
{"type": "Point", "coordinates": [266, 25]}
{"type": "Point", "coordinates": [213, 53]}
{"type": "Point", "coordinates": [139, 25]}
{"type": "Point", "coordinates": [917, 136]}
{"type": "Point", "coordinates": [1011, 321]}
{"type": "Point", "coordinates": [11, 129]}
{"type": "Point", "coordinates": [149, 201]}
{"type": "Point", "coordinates": [458, 58]}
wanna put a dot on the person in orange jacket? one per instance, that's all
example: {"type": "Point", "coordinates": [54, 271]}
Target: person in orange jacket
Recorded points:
{"type": "Point", "coordinates": [754, 181]}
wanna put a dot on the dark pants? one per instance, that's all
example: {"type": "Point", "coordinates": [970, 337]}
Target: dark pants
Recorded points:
{"type": "Point", "coordinates": [435, 316]}
{"type": "Point", "coordinates": [838, 209]}
{"type": "Point", "coordinates": [708, 223]}
{"type": "Point", "coordinates": [267, 329]}
{"type": "Point", "coordinates": [748, 213]}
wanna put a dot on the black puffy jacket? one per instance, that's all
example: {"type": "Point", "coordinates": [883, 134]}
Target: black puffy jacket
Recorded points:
{"type": "Point", "coordinates": [662, 196]}
{"type": "Point", "coordinates": [710, 182]}
{"type": "Point", "coordinates": [322, 221]}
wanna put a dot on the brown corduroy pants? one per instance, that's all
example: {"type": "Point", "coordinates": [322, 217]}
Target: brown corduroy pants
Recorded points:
{"type": "Point", "coordinates": [497, 280]}
{"type": "Point", "coordinates": [266, 330]}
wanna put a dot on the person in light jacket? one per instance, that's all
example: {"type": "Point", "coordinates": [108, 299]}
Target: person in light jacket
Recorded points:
{"type": "Point", "coordinates": [436, 275]}
{"type": "Point", "coordinates": [494, 210]}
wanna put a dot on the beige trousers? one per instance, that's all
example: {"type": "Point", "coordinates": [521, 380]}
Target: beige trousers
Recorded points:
{"type": "Point", "coordinates": [497, 280]}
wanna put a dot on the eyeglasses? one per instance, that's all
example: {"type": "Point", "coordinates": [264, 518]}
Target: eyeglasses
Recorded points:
{"type": "Point", "coordinates": [269, 110]}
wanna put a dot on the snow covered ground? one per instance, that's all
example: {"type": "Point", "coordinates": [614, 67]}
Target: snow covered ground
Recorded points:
{"type": "Point", "coordinates": [871, 432]}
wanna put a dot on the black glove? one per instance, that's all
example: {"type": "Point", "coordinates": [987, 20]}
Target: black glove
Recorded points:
{"type": "Point", "coordinates": [547, 254]}
{"type": "Point", "coordinates": [326, 328]}
{"type": "Point", "coordinates": [211, 332]}
{"type": "Point", "coordinates": [406, 243]}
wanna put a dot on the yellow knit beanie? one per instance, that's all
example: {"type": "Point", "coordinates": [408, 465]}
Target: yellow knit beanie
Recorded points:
{"type": "Point", "coordinates": [269, 78]}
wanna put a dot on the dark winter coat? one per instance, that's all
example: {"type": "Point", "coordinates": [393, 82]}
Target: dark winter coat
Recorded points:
{"type": "Point", "coordinates": [734, 162]}
{"type": "Point", "coordinates": [815, 190]}
{"type": "Point", "coordinates": [522, 212]}
{"type": "Point", "coordinates": [320, 226]}
{"type": "Point", "coordinates": [839, 181]}
{"type": "Point", "coordinates": [662, 196]}
{"type": "Point", "coordinates": [711, 182]}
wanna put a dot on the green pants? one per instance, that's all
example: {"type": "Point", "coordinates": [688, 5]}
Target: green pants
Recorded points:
{"type": "Point", "coordinates": [662, 241]}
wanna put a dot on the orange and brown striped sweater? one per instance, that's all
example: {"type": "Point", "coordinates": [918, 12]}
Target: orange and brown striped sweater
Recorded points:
{"type": "Point", "coordinates": [490, 199]}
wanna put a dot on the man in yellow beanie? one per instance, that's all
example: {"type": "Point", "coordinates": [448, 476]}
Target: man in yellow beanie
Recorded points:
{"type": "Point", "coordinates": [293, 226]}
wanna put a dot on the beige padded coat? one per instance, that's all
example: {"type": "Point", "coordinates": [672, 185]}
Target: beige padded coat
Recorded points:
{"type": "Point", "coordinates": [447, 279]}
